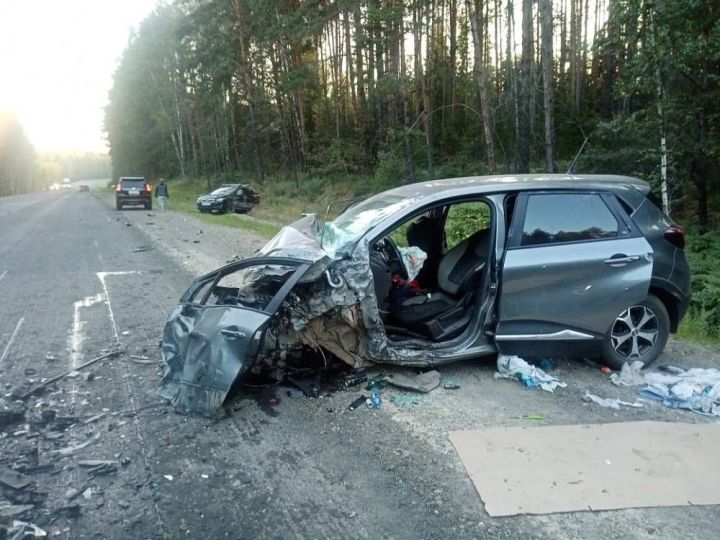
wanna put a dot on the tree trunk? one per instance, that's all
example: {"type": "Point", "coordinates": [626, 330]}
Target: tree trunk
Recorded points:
{"type": "Point", "coordinates": [452, 16]}
{"type": "Point", "coordinates": [410, 176]}
{"type": "Point", "coordinates": [512, 83]}
{"type": "Point", "coordinates": [546, 19]}
{"type": "Point", "coordinates": [361, 99]}
{"type": "Point", "coordinates": [427, 102]}
{"type": "Point", "coordinates": [573, 52]}
{"type": "Point", "coordinates": [660, 98]}
{"type": "Point", "coordinates": [246, 77]}
{"type": "Point", "coordinates": [525, 88]}
{"type": "Point", "coordinates": [476, 26]}
{"type": "Point", "coordinates": [563, 40]}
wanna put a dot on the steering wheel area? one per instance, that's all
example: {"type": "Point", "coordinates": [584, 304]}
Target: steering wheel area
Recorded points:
{"type": "Point", "coordinates": [387, 247]}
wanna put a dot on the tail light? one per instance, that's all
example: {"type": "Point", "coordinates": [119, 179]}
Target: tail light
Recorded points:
{"type": "Point", "coordinates": [148, 187]}
{"type": "Point", "coordinates": [676, 236]}
{"type": "Point", "coordinates": [118, 187]}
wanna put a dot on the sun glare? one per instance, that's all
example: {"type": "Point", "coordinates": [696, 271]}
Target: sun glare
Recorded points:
{"type": "Point", "coordinates": [57, 63]}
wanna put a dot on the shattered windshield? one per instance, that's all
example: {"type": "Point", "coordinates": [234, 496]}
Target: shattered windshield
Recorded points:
{"type": "Point", "coordinates": [349, 226]}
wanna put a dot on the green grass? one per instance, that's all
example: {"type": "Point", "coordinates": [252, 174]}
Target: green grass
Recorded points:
{"type": "Point", "coordinates": [282, 201]}
{"type": "Point", "coordinates": [693, 329]}
{"type": "Point", "coordinates": [241, 222]}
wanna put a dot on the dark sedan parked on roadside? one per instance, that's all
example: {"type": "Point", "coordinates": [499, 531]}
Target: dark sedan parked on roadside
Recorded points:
{"type": "Point", "coordinates": [239, 198]}
{"type": "Point", "coordinates": [436, 272]}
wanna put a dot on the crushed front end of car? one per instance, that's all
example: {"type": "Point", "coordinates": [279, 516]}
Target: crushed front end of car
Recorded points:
{"type": "Point", "coordinates": [250, 315]}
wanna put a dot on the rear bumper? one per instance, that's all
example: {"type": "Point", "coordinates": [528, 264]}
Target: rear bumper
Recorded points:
{"type": "Point", "coordinates": [139, 199]}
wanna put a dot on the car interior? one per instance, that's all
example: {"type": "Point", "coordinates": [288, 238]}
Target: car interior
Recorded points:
{"type": "Point", "coordinates": [437, 303]}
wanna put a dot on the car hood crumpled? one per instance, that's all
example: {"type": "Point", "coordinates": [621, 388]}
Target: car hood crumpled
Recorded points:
{"type": "Point", "coordinates": [327, 302]}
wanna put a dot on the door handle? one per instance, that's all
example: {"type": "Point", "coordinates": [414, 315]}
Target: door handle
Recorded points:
{"type": "Point", "coordinates": [233, 334]}
{"type": "Point", "coordinates": [621, 259]}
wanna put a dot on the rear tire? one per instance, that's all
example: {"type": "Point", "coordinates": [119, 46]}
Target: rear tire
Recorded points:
{"type": "Point", "coordinates": [640, 332]}
{"type": "Point", "coordinates": [118, 205]}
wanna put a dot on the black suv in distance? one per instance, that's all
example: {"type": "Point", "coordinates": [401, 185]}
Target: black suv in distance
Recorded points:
{"type": "Point", "coordinates": [133, 190]}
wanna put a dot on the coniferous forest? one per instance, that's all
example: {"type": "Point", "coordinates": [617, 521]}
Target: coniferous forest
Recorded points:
{"type": "Point", "coordinates": [422, 89]}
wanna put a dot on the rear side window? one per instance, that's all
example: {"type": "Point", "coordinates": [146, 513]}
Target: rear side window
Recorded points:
{"type": "Point", "coordinates": [567, 217]}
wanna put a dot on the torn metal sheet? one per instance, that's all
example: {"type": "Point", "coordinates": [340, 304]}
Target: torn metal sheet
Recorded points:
{"type": "Point", "coordinates": [208, 346]}
{"type": "Point", "coordinates": [293, 294]}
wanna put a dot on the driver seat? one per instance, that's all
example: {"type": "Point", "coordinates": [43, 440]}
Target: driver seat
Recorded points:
{"type": "Point", "coordinates": [443, 312]}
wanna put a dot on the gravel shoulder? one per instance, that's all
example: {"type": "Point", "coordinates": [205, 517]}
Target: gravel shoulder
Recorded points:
{"type": "Point", "coordinates": [196, 245]}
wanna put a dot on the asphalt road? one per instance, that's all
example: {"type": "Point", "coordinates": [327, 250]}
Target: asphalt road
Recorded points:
{"type": "Point", "coordinates": [78, 278]}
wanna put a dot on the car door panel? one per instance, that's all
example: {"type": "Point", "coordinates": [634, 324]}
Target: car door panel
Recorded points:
{"type": "Point", "coordinates": [563, 296]}
{"type": "Point", "coordinates": [572, 285]}
{"type": "Point", "coordinates": [206, 346]}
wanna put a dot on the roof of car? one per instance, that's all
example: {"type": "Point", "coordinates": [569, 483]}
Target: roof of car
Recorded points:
{"type": "Point", "coordinates": [521, 182]}
{"type": "Point", "coordinates": [132, 178]}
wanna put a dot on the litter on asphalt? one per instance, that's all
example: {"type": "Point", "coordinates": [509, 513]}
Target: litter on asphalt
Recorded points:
{"type": "Point", "coordinates": [514, 367]}
{"type": "Point", "coordinates": [357, 403]}
{"type": "Point", "coordinates": [610, 403]}
{"type": "Point", "coordinates": [696, 389]}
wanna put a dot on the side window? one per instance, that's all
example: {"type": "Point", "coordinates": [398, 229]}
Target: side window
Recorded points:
{"type": "Point", "coordinates": [465, 219]}
{"type": "Point", "coordinates": [567, 217]}
{"type": "Point", "coordinates": [399, 235]}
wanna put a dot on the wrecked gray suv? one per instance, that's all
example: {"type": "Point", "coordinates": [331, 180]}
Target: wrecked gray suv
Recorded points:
{"type": "Point", "coordinates": [436, 272]}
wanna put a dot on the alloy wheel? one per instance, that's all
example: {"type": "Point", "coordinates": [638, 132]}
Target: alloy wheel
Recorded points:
{"type": "Point", "coordinates": [635, 332]}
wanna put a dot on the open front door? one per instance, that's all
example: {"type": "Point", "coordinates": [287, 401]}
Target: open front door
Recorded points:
{"type": "Point", "coordinates": [211, 339]}
{"type": "Point", "coordinates": [572, 265]}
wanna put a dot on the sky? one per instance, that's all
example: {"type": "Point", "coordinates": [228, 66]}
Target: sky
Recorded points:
{"type": "Point", "coordinates": [57, 59]}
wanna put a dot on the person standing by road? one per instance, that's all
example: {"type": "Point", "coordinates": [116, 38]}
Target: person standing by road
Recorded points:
{"type": "Point", "coordinates": [162, 194]}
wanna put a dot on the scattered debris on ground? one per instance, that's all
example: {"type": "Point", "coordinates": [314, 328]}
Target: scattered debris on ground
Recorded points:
{"type": "Point", "coordinates": [357, 402]}
{"type": "Point", "coordinates": [69, 373]}
{"type": "Point", "coordinates": [514, 367]}
{"type": "Point", "coordinates": [421, 382]}
{"type": "Point", "coordinates": [610, 403]}
{"type": "Point", "coordinates": [695, 389]}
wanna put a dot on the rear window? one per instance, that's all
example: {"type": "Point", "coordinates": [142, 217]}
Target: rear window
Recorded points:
{"type": "Point", "coordinates": [567, 217]}
{"type": "Point", "coordinates": [139, 184]}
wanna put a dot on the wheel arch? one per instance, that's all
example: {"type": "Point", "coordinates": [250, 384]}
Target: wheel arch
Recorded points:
{"type": "Point", "coordinates": [671, 303]}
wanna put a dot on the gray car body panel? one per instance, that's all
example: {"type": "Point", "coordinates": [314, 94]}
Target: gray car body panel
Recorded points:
{"type": "Point", "coordinates": [571, 286]}
{"type": "Point", "coordinates": [333, 297]}
{"type": "Point", "coordinates": [207, 348]}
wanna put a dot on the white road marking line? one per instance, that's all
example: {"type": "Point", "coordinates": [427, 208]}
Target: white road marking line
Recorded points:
{"type": "Point", "coordinates": [101, 276]}
{"type": "Point", "coordinates": [77, 336]}
{"type": "Point", "coordinates": [12, 338]}
{"type": "Point", "coordinates": [3, 275]}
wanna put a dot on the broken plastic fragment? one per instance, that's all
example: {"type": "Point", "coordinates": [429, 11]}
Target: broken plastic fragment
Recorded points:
{"type": "Point", "coordinates": [514, 367]}
{"type": "Point", "coordinates": [421, 382]}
